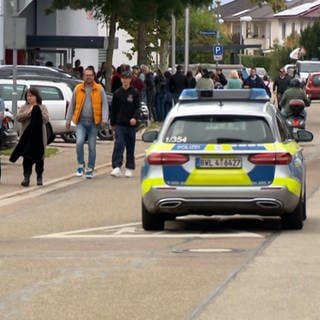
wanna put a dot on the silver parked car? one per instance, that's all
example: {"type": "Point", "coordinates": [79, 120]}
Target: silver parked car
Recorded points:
{"type": "Point", "coordinates": [223, 152]}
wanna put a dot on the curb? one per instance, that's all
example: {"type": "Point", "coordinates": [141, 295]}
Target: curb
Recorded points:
{"type": "Point", "coordinates": [49, 185]}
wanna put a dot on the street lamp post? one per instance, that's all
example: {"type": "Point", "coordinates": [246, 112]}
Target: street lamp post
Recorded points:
{"type": "Point", "coordinates": [14, 60]}
{"type": "Point", "coordinates": [173, 43]}
{"type": "Point", "coordinates": [242, 19]}
{"type": "Point", "coordinates": [186, 41]}
{"type": "Point", "coordinates": [2, 50]}
{"type": "Point", "coordinates": [218, 2]}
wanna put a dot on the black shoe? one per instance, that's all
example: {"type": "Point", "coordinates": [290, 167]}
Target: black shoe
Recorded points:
{"type": "Point", "coordinates": [39, 181]}
{"type": "Point", "coordinates": [25, 182]}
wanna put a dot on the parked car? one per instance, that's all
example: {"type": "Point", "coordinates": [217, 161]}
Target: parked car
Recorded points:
{"type": "Point", "coordinates": [312, 87]}
{"type": "Point", "coordinates": [304, 68]}
{"type": "Point", "coordinates": [8, 136]}
{"type": "Point", "coordinates": [6, 71]}
{"type": "Point", "coordinates": [224, 152]}
{"type": "Point", "coordinates": [55, 95]}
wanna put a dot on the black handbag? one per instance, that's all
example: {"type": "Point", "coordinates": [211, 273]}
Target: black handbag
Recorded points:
{"type": "Point", "coordinates": [50, 135]}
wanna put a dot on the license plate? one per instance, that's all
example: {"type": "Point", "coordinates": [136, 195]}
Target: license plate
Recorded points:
{"type": "Point", "coordinates": [205, 163]}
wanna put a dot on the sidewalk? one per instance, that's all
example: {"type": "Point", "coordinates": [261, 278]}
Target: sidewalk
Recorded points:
{"type": "Point", "coordinates": [58, 167]}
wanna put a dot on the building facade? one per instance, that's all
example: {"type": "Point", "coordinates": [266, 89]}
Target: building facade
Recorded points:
{"type": "Point", "coordinates": [63, 36]}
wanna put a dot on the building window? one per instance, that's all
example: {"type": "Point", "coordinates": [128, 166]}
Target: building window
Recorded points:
{"type": "Point", "coordinates": [283, 31]}
{"type": "Point", "coordinates": [301, 27]}
{"type": "Point", "coordinates": [248, 30]}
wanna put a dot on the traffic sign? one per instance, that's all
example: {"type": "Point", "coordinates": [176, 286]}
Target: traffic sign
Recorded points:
{"type": "Point", "coordinates": [218, 50]}
{"type": "Point", "coordinates": [218, 53]}
{"type": "Point", "coordinates": [208, 33]}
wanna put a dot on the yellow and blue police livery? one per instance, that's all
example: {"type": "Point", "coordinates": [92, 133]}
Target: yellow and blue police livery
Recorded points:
{"type": "Point", "coordinates": [224, 152]}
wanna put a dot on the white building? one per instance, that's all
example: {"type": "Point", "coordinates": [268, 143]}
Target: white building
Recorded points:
{"type": "Point", "coordinates": [64, 35]}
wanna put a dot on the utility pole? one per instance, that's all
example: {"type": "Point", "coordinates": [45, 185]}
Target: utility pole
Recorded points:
{"type": "Point", "coordinates": [173, 43]}
{"type": "Point", "coordinates": [186, 41]}
{"type": "Point", "coordinates": [2, 47]}
{"type": "Point", "coordinates": [14, 60]}
{"type": "Point", "coordinates": [218, 2]}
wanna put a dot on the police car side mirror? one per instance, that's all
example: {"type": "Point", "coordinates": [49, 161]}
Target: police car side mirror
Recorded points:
{"type": "Point", "coordinates": [150, 136]}
{"type": "Point", "coordinates": [303, 136]}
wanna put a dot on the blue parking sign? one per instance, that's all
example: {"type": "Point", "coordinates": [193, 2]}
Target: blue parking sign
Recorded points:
{"type": "Point", "coordinates": [218, 50]}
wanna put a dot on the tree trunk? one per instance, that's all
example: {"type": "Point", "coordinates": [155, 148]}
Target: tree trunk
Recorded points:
{"type": "Point", "coordinates": [110, 49]}
{"type": "Point", "coordinates": [164, 55]}
{"type": "Point", "coordinates": [142, 53]}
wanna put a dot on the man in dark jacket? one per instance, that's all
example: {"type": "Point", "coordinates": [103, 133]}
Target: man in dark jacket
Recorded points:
{"type": "Point", "coordinates": [177, 84]}
{"type": "Point", "coordinates": [281, 84]}
{"type": "Point", "coordinates": [253, 80]}
{"type": "Point", "coordinates": [222, 78]}
{"type": "Point", "coordinates": [123, 119]}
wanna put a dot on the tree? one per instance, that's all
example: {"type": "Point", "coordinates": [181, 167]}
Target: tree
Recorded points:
{"type": "Point", "coordinates": [156, 27]}
{"type": "Point", "coordinates": [310, 40]}
{"type": "Point", "coordinates": [106, 11]}
{"type": "Point", "coordinates": [143, 14]}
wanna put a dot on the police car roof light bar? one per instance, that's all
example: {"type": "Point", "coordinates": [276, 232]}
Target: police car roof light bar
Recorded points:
{"type": "Point", "coordinates": [254, 94]}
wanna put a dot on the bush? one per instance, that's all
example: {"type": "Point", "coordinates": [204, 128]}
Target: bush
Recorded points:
{"type": "Point", "coordinates": [257, 61]}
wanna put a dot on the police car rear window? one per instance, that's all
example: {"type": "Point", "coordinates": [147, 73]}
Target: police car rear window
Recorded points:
{"type": "Point", "coordinates": [219, 129]}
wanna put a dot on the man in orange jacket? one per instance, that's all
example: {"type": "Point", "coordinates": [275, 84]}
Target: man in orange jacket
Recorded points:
{"type": "Point", "coordinates": [88, 110]}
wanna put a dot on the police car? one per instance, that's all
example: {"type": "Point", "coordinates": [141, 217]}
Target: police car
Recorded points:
{"type": "Point", "coordinates": [224, 152]}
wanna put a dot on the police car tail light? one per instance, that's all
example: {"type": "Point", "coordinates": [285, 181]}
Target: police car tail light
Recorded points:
{"type": "Point", "coordinates": [271, 158]}
{"type": "Point", "coordinates": [167, 158]}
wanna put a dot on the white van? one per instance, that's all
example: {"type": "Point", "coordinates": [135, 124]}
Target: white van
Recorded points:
{"type": "Point", "coordinates": [305, 67]}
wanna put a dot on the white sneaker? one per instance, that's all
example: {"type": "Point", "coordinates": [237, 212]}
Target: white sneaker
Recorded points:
{"type": "Point", "coordinates": [128, 173]}
{"type": "Point", "coordinates": [116, 172]}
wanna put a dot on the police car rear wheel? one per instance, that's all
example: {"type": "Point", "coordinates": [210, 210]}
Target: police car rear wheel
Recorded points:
{"type": "Point", "coordinates": [294, 220]}
{"type": "Point", "coordinates": [151, 222]}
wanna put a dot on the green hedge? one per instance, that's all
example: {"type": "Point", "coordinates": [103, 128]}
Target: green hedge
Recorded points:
{"type": "Point", "coordinates": [257, 61]}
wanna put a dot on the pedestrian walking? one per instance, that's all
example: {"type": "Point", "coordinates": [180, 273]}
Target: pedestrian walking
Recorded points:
{"type": "Point", "coordinates": [161, 83]}
{"type": "Point", "coordinates": [234, 82]}
{"type": "Point", "coordinates": [88, 110]}
{"type": "Point", "coordinates": [116, 80]}
{"type": "Point", "coordinates": [150, 90]}
{"type": "Point", "coordinates": [168, 95]}
{"type": "Point", "coordinates": [190, 80]}
{"type": "Point", "coordinates": [78, 69]}
{"type": "Point", "coordinates": [177, 83]}
{"type": "Point", "coordinates": [280, 85]}
{"type": "Point", "coordinates": [253, 80]}
{"type": "Point", "coordinates": [222, 78]}
{"type": "Point", "coordinates": [205, 82]}
{"type": "Point", "coordinates": [123, 118]}
{"type": "Point", "coordinates": [33, 116]}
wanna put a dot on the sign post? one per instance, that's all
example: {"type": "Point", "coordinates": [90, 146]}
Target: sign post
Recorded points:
{"type": "Point", "coordinates": [218, 53]}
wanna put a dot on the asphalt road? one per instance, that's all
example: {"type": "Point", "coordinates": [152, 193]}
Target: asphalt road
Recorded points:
{"type": "Point", "coordinates": [78, 252]}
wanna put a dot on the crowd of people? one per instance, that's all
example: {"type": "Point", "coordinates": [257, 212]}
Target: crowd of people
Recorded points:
{"type": "Point", "coordinates": [160, 90]}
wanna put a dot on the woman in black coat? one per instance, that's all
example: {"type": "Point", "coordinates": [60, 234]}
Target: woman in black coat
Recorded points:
{"type": "Point", "coordinates": [33, 140]}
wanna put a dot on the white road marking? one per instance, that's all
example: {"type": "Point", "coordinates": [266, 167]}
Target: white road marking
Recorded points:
{"type": "Point", "coordinates": [208, 250]}
{"type": "Point", "coordinates": [134, 230]}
